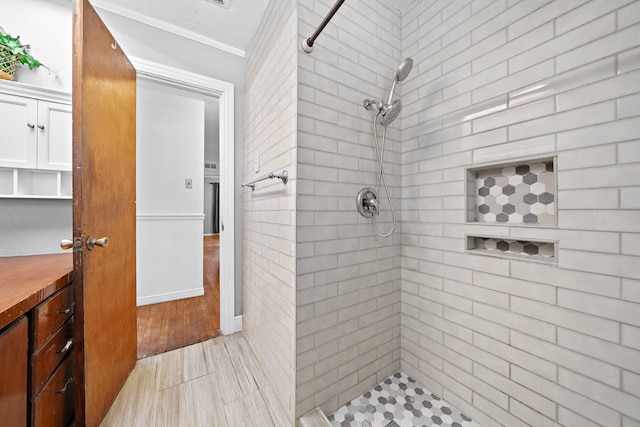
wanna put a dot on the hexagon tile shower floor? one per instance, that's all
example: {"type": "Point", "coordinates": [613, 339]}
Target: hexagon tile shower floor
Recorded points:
{"type": "Point", "coordinates": [399, 401]}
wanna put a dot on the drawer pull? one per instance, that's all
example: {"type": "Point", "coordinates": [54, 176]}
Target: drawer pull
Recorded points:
{"type": "Point", "coordinates": [66, 347]}
{"type": "Point", "coordinates": [67, 309]}
{"type": "Point", "coordinates": [66, 384]}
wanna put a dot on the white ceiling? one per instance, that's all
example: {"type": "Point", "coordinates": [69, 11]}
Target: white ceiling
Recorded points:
{"type": "Point", "coordinates": [229, 28]}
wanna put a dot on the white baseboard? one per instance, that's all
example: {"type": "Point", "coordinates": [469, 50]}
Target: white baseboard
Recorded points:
{"type": "Point", "coordinates": [171, 296]}
{"type": "Point", "coordinates": [237, 324]}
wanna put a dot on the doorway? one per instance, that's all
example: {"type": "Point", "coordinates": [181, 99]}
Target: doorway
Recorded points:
{"type": "Point", "coordinates": [199, 88]}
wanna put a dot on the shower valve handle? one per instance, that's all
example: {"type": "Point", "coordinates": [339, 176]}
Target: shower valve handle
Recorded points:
{"type": "Point", "coordinates": [373, 204]}
{"type": "Point", "coordinates": [367, 202]}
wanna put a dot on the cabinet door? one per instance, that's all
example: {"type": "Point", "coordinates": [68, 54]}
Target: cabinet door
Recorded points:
{"type": "Point", "coordinates": [54, 136]}
{"type": "Point", "coordinates": [14, 343]}
{"type": "Point", "coordinates": [18, 135]}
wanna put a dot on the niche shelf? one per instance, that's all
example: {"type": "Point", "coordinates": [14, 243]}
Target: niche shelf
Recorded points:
{"type": "Point", "coordinates": [18, 183]}
{"type": "Point", "coordinates": [522, 193]}
{"type": "Point", "coordinates": [530, 250]}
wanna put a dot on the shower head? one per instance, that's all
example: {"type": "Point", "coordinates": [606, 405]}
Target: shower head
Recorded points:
{"type": "Point", "coordinates": [403, 72]}
{"type": "Point", "coordinates": [389, 112]}
{"type": "Point", "coordinates": [404, 69]}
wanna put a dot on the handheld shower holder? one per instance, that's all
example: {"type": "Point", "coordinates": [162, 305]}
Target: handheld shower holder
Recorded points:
{"type": "Point", "coordinates": [369, 104]}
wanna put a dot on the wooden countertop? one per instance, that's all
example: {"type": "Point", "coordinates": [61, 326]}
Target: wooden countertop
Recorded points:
{"type": "Point", "coordinates": [26, 281]}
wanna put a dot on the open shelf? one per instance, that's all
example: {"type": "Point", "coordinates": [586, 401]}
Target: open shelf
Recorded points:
{"type": "Point", "coordinates": [529, 250]}
{"type": "Point", "coordinates": [35, 183]}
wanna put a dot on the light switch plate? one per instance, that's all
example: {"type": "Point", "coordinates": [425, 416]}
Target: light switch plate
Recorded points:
{"type": "Point", "coordinates": [188, 183]}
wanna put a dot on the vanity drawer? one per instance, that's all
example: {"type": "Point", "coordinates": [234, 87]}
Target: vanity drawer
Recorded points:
{"type": "Point", "coordinates": [50, 355]}
{"type": "Point", "coordinates": [54, 406]}
{"type": "Point", "coordinates": [50, 315]}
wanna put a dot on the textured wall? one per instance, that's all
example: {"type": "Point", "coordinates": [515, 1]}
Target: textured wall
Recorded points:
{"type": "Point", "coordinates": [348, 280]}
{"type": "Point", "coordinates": [34, 226]}
{"type": "Point", "coordinates": [510, 342]}
{"type": "Point", "coordinates": [269, 212]}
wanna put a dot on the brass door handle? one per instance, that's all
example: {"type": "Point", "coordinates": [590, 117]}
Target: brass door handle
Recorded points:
{"type": "Point", "coordinates": [92, 242]}
{"type": "Point", "coordinates": [71, 244]}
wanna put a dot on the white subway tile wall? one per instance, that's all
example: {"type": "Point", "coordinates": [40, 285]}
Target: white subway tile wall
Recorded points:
{"type": "Point", "coordinates": [499, 82]}
{"type": "Point", "coordinates": [348, 292]}
{"type": "Point", "coordinates": [331, 310]}
{"type": "Point", "coordinates": [269, 243]}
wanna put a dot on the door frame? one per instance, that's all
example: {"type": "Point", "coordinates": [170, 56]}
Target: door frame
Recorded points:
{"type": "Point", "coordinates": [224, 91]}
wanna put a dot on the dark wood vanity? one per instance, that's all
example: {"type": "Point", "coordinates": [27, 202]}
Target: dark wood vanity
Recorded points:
{"type": "Point", "coordinates": [36, 340]}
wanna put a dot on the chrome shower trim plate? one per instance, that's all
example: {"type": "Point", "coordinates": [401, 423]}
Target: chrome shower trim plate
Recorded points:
{"type": "Point", "coordinates": [367, 202]}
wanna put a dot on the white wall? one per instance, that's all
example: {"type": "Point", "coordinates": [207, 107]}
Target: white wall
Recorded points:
{"type": "Point", "coordinates": [348, 280]}
{"type": "Point", "coordinates": [169, 149]}
{"type": "Point", "coordinates": [46, 26]}
{"type": "Point", "coordinates": [212, 132]}
{"type": "Point", "coordinates": [269, 244]}
{"type": "Point", "coordinates": [30, 227]}
{"type": "Point", "coordinates": [33, 226]}
{"type": "Point", "coordinates": [155, 45]}
{"type": "Point", "coordinates": [510, 342]}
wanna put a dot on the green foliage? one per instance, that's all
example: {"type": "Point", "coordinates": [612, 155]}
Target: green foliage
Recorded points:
{"type": "Point", "coordinates": [16, 47]}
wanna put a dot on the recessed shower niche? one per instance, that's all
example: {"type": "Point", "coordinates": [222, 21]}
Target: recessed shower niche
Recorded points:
{"type": "Point", "coordinates": [521, 194]}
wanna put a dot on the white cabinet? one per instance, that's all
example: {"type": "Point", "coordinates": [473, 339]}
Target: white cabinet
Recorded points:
{"type": "Point", "coordinates": [36, 134]}
{"type": "Point", "coordinates": [19, 136]}
{"type": "Point", "coordinates": [35, 142]}
{"type": "Point", "coordinates": [54, 136]}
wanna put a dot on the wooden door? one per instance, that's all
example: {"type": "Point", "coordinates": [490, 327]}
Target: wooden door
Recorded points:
{"type": "Point", "coordinates": [104, 132]}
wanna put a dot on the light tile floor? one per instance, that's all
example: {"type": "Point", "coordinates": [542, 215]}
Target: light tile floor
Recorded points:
{"type": "Point", "coordinates": [215, 383]}
{"type": "Point", "coordinates": [399, 401]}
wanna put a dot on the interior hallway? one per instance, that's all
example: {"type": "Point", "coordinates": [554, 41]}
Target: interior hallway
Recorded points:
{"type": "Point", "coordinates": [214, 383]}
{"type": "Point", "coordinates": [175, 324]}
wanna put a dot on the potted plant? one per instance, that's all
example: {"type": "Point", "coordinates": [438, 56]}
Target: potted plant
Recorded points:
{"type": "Point", "coordinates": [11, 51]}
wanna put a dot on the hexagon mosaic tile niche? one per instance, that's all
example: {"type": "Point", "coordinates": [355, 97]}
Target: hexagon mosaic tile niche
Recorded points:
{"type": "Point", "coordinates": [520, 248]}
{"type": "Point", "coordinates": [517, 194]}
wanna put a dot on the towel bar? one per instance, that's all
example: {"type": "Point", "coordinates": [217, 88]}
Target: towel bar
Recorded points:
{"type": "Point", "coordinates": [284, 176]}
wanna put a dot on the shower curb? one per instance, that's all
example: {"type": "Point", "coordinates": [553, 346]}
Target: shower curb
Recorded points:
{"type": "Point", "coordinates": [314, 418]}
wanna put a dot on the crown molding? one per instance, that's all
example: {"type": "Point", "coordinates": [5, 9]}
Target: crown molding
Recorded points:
{"type": "Point", "coordinates": [168, 27]}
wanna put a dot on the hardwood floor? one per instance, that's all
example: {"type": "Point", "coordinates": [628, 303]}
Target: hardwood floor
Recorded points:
{"type": "Point", "coordinates": [214, 383]}
{"type": "Point", "coordinates": [175, 324]}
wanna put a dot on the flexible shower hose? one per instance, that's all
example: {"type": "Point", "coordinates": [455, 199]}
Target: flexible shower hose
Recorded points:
{"type": "Point", "coordinates": [381, 177]}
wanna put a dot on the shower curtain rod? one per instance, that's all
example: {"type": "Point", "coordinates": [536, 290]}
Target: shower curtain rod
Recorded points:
{"type": "Point", "coordinates": [307, 45]}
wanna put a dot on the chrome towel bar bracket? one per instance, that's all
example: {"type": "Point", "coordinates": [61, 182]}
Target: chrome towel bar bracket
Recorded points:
{"type": "Point", "coordinates": [284, 176]}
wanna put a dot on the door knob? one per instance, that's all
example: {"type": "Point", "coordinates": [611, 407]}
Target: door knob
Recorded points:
{"type": "Point", "coordinates": [92, 242]}
{"type": "Point", "coordinates": [31, 125]}
{"type": "Point", "coordinates": [75, 244]}
{"type": "Point", "coordinates": [41, 127]}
